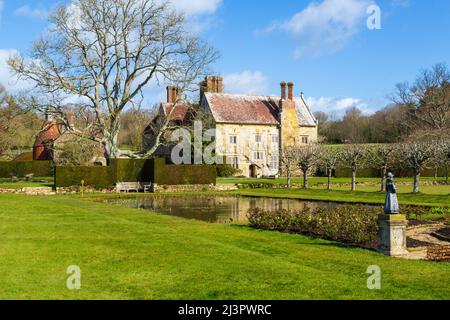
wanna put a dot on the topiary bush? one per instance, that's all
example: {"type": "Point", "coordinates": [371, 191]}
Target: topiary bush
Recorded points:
{"type": "Point", "coordinates": [226, 171]}
{"type": "Point", "coordinates": [350, 224]}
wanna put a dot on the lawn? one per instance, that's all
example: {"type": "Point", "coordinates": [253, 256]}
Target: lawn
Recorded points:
{"type": "Point", "coordinates": [37, 182]}
{"type": "Point", "coordinates": [421, 199]}
{"type": "Point", "coordinates": [133, 254]}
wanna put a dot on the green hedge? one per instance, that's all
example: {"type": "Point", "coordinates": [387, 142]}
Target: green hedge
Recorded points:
{"type": "Point", "coordinates": [133, 170]}
{"type": "Point", "coordinates": [121, 170]}
{"type": "Point", "coordinates": [186, 174]}
{"type": "Point", "coordinates": [97, 177]}
{"type": "Point", "coordinates": [22, 168]}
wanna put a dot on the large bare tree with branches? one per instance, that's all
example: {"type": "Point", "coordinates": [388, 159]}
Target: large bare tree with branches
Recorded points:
{"type": "Point", "coordinates": [428, 100]}
{"type": "Point", "coordinates": [104, 53]}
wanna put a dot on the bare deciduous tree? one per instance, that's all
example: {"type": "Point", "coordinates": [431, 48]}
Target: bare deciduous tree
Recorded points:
{"type": "Point", "coordinates": [104, 53]}
{"type": "Point", "coordinates": [307, 158]}
{"type": "Point", "coordinates": [354, 157]}
{"type": "Point", "coordinates": [381, 157]}
{"type": "Point", "coordinates": [289, 161]}
{"type": "Point", "coordinates": [428, 99]}
{"type": "Point", "coordinates": [417, 155]}
{"type": "Point", "coordinates": [329, 157]}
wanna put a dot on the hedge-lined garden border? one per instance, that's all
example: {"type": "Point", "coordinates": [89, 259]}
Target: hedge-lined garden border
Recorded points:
{"type": "Point", "coordinates": [22, 168]}
{"type": "Point", "coordinates": [135, 170]}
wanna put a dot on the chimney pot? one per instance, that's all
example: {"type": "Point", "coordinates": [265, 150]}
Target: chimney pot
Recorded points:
{"type": "Point", "coordinates": [290, 90]}
{"type": "Point", "coordinates": [173, 94]}
{"type": "Point", "coordinates": [283, 90]}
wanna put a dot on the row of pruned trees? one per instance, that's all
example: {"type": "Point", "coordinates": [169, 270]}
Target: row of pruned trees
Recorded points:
{"type": "Point", "coordinates": [415, 156]}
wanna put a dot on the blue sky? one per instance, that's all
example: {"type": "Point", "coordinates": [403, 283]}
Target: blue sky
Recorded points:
{"type": "Point", "coordinates": [323, 46]}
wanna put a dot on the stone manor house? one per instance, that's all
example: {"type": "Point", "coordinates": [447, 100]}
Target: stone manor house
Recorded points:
{"type": "Point", "coordinates": [251, 130]}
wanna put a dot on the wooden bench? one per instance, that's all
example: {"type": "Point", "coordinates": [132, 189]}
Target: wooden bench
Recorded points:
{"type": "Point", "coordinates": [133, 187]}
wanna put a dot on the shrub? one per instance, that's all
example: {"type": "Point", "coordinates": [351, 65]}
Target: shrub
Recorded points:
{"type": "Point", "coordinates": [351, 224]}
{"type": "Point", "coordinates": [226, 171]}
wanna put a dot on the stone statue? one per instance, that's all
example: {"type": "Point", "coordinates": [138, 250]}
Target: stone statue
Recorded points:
{"type": "Point", "coordinates": [391, 205]}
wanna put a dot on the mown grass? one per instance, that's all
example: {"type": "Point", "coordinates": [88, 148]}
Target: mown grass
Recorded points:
{"type": "Point", "coordinates": [6, 183]}
{"type": "Point", "coordinates": [133, 254]}
{"type": "Point", "coordinates": [421, 199]}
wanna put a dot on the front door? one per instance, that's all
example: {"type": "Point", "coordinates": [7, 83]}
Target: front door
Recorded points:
{"type": "Point", "coordinates": [252, 171]}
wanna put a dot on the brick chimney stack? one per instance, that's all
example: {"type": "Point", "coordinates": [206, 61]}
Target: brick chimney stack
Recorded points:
{"type": "Point", "coordinates": [290, 91]}
{"type": "Point", "coordinates": [173, 94]}
{"type": "Point", "coordinates": [212, 84]}
{"type": "Point", "coordinates": [283, 90]}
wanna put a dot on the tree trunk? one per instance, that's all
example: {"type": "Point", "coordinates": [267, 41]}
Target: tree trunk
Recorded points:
{"type": "Point", "coordinates": [354, 180]}
{"type": "Point", "coordinates": [416, 181]}
{"type": "Point", "coordinates": [446, 172]}
{"type": "Point", "coordinates": [436, 173]}
{"type": "Point", "coordinates": [383, 179]}
{"type": "Point", "coordinates": [305, 179]}
{"type": "Point", "coordinates": [110, 145]}
{"type": "Point", "coordinates": [329, 180]}
{"type": "Point", "coordinates": [289, 179]}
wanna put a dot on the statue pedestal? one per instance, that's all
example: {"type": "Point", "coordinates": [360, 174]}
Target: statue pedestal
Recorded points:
{"type": "Point", "coordinates": [393, 234]}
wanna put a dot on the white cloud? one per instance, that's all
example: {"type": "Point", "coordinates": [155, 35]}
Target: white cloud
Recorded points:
{"type": "Point", "coordinates": [197, 7]}
{"type": "Point", "coordinates": [337, 106]}
{"type": "Point", "coordinates": [7, 79]}
{"type": "Point", "coordinates": [27, 11]}
{"type": "Point", "coordinates": [325, 27]}
{"type": "Point", "coordinates": [246, 82]}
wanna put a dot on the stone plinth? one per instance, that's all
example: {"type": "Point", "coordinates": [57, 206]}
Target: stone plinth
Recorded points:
{"type": "Point", "coordinates": [393, 235]}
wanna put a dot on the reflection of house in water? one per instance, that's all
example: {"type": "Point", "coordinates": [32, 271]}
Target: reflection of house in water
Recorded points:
{"type": "Point", "coordinates": [218, 209]}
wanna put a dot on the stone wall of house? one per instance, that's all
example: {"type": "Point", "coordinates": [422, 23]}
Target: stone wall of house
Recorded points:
{"type": "Point", "coordinates": [246, 146]}
{"type": "Point", "coordinates": [291, 131]}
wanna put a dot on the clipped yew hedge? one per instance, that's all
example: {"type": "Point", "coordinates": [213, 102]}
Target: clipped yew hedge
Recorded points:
{"type": "Point", "coordinates": [186, 174]}
{"type": "Point", "coordinates": [22, 168]}
{"type": "Point", "coordinates": [96, 177]}
{"type": "Point", "coordinates": [135, 170]}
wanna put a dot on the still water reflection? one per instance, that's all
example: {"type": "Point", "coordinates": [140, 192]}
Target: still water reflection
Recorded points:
{"type": "Point", "coordinates": [215, 209]}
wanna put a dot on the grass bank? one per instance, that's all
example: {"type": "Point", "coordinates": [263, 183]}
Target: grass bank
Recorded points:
{"type": "Point", "coordinates": [133, 254]}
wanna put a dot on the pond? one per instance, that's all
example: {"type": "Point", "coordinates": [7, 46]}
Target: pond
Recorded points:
{"type": "Point", "coordinates": [215, 209]}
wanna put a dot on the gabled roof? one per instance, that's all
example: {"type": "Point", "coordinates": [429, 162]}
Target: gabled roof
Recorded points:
{"type": "Point", "coordinates": [242, 109]}
{"type": "Point", "coordinates": [305, 116]}
{"type": "Point", "coordinates": [263, 110]}
{"type": "Point", "coordinates": [179, 114]}
{"type": "Point", "coordinates": [49, 133]}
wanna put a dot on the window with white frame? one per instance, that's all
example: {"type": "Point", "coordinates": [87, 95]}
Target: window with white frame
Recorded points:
{"type": "Point", "coordinates": [273, 162]}
{"type": "Point", "coordinates": [305, 140]}
{"type": "Point", "coordinates": [233, 139]}
{"type": "Point", "coordinates": [258, 138]}
{"type": "Point", "coordinates": [275, 138]}
{"type": "Point", "coordinates": [258, 155]}
{"type": "Point", "coordinates": [235, 162]}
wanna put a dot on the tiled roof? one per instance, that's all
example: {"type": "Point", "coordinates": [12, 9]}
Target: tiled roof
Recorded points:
{"type": "Point", "coordinates": [304, 114]}
{"type": "Point", "coordinates": [241, 109]}
{"type": "Point", "coordinates": [179, 114]}
{"type": "Point", "coordinates": [49, 133]}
